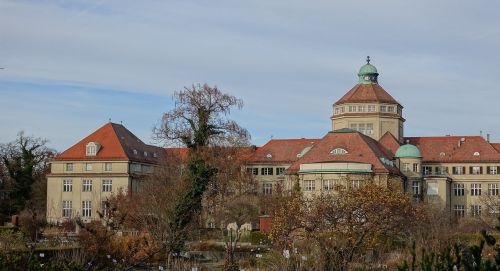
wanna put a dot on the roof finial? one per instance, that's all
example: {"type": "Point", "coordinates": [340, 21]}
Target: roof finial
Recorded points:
{"type": "Point", "coordinates": [368, 60]}
{"type": "Point", "coordinates": [109, 120]}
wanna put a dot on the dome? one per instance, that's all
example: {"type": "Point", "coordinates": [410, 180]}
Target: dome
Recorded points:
{"type": "Point", "coordinates": [367, 69]}
{"type": "Point", "coordinates": [368, 73]}
{"type": "Point", "coordinates": [408, 151]}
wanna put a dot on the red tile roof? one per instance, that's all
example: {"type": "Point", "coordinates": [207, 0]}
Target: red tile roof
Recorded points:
{"type": "Point", "coordinates": [362, 93]}
{"type": "Point", "coordinates": [496, 146]}
{"type": "Point", "coordinates": [181, 152]}
{"type": "Point", "coordinates": [360, 148]}
{"type": "Point", "coordinates": [116, 143]}
{"type": "Point", "coordinates": [281, 150]}
{"type": "Point", "coordinates": [450, 149]}
{"type": "Point", "coordinates": [389, 144]}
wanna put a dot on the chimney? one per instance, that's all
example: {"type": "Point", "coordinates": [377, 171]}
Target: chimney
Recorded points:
{"type": "Point", "coordinates": [488, 138]}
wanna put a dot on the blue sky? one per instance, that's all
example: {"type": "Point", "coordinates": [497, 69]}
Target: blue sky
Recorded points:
{"type": "Point", "coordinates": [72, 65]}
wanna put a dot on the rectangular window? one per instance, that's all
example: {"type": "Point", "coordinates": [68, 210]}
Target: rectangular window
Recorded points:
{"type": "Point", "coordinates": [458, 189]}
{"type": "Point", "coordinates": [475, 189]}
{"type": "Point", "coordinates": [108, 166]}
{"type": "Point", "coordinates": [309, 185]}
{"type": "Point", "coordinates": [361, 108]}
{"type": "Point", "coordinates": [266, 171]}
{"type": "Point", "coordinates": [441, 170]}
{"type": "Point", "coordinates": [406, 167]}
{"type": "Point", "coordinates": [427, 170]}
{"type": "Point", "coordinates": [475, 210]}
{"type": "Point", "coordinates": [390, 109]}
{"type": "Point", "coordinates": [253, 171]}
{"type": "Point", "coordinates": [459, 210]}
{"type": "Point", "coordinates": [67, 185]}
{"type": "Point", "coordinates": [105, 208]}
{"type": "Point", "coordinates": [476, 170]}
{"type": "Point", "coordinates": [493, 189]}
{"type": "Point", "coordinates": [354, 126]}
{"type": "Point", "coordinates": [107, 185]}
{"type": "Point", "coordinates": [355, 183]}
{"type": "Point", "coordinates": [352, 108]}
{"type": "Point", "coordinates": [369, 129]}
{"type": "Point", "coordinates": [416, 188]}
{"type": "Point", "coordinates": [416, 167]}
{"type": "Point", "coordinates": [371, 108]}
{"type": "Point", "coordinates": [280, 170]}
{"type": "Point", "coordinates": [361, 128]}
{"type": "Point", "coordinates": [67, 208]}
{"type": "Point", "coordinates": [383, 108]}
{"type": "Point", "coordinates": [267, 189]}
{"type": "Point", "coordinates": [135, 167]}
{"type": "Point", "coordinates": [88, 166]}
{"type": "Point", "coordinates": [337, 111]}
{"type": "Point", "coordinates": [328, 185]}
{"type": "Point", "coordinates": [87, 185]}
{"type": "Point", "coordinates": [493, 209]}
{"type": "Point", "coordinates": [86, 208]}
{"type": "Point", "coordinates": [458, 170]}
{"type": "Point", "coordinates": [69, 166]}
{"type": "Point", "coordinates": [493, 170]}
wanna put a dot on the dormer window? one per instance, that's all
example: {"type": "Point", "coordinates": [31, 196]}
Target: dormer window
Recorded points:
{"type": "Point", "coordinates": [92, 148]}
{"type": "Point", "coordinates": [476, 153]}
{"type": "Point", "coordinates": [269, 156]}
{"type": "Point", "coordinates": [339, 151]}
{"type": "Point", "coordinates": [145, 154]}
{"type": "Point", "coordinates": [135, 152]}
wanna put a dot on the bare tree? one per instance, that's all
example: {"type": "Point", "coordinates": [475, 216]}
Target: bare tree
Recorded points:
{"type": "Point", "coordinates": [199, 122]}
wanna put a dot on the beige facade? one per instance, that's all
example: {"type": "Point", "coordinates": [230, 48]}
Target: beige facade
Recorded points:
{"type": "Point", "coordinates": [79, 188]}
{"type": "Point", "coordinates": [371, 119]}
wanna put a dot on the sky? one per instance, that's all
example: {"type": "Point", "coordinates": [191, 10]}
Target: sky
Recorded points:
{"type": "Point", "coordinates": [70, 66]}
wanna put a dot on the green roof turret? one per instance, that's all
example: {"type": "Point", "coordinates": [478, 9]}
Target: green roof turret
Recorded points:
{"type": "Point", "coordinates": [368, 73]}
{"type": "Point", "coordinates": [408, 151]}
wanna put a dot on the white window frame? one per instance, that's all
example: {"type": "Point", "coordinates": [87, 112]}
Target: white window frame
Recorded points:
{"type": "Point", "coordinates": [67, 185]}
{"type": "Point", "coordinates": [67, 208]}
{"type": "Point", "coordinates": [427, 170]}
{"type": "Point", "coordinates": [267, 188]}
{"type": "Point", "coordinates": [88, 167]}
{"type": "Point", "coordinates": [493, 170]}
{"type": "Point", "coordinates": [475, 189]}
{"type": "Point", "coordinates": [69, 167]}
{"type": "Point", "coordinates": [371, 108]}
{"type": "Point", "coordinates": [309, 185]}
{"type": "Point", "coordinates": [280, 170]}
{"type": "Point", "coordinates": [493, 189]}
{"type": "Point", "coordinates": [266, 171]}
{"type": "Point", "coordinates": [475, 210]}
{"type": "Point", "coordinates": [406, 167]}
{"type": "Point", "coordinates": [459, 210]}
{"type": "Point", "coordinates": [415, 188]}
{"type": "Point", "coordinates": [107, 185]}
{"type": "Point", "coordinates": [416, 167]}
{"type": "Point", "coordinates": [355, 184]}
{"type": "Point", "coordinates": [86, 208]}
{"type": "Point", "coordinates": [459, 189]}
{"type": "Point", "coordinates": [458, 170]}
{"type": "Point", "coordinates": [86, 185]}
{"type": "Point", "coordinates": [383, 108]}
{"type": "Point", "coordinates": [108, 166]}
{"type": "Point", "coordinates": [328, 185]}
{"type": "Point", "coordinates": [476, 170]}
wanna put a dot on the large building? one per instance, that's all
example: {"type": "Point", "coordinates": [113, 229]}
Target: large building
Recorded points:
{"type": "Point", "coordinates": [367, 142]}
{"type": "Point", "coordinates": [109, 160]}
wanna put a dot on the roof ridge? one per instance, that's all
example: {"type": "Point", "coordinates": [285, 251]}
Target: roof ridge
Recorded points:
{"type": "Point", "coordinates": [119, 139]}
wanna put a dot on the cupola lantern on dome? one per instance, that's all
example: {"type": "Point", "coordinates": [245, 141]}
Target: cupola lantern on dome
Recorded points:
{"type": "Point", "coordinates": [368, 73]}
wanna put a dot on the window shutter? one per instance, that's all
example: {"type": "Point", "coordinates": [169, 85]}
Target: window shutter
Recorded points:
{"type": "Point", "coordinates": [271, 171]}
{"type": "Point", "coordinates": [488, 170]}
{"type": "Point", "coordinates": [480, 170]}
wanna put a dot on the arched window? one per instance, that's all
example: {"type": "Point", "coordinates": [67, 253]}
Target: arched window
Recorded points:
{"type": "Point", "coordinates": [339, 151]}
{"type": "Point", "coordinates": [92, 148]}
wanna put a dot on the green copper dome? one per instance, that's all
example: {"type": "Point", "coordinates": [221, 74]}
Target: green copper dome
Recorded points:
{"type": "Point", "coordinates": [368, 73]}
{"type": "Point", "coordinates": [408, 151]}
